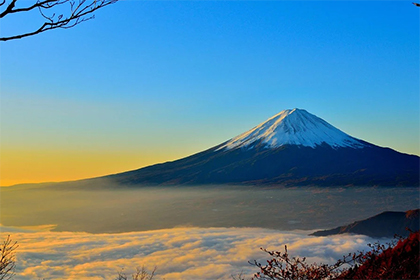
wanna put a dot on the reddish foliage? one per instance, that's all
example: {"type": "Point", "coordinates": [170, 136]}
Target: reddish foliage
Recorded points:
{"type": "Point", "coordinates": [392, 261]}
{"type": "Point", "coordinates": [399, 262]}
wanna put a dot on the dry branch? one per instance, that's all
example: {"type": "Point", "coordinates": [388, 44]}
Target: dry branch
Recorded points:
{"type": "Point", "coordinates": [77, 11]}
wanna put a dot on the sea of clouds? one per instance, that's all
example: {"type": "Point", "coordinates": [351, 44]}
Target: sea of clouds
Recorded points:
{"type": "Point", "coordinates": [178, 253]}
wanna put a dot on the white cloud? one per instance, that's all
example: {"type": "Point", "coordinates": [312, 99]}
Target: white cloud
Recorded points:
{"type": "Point", "coordinates": [179, 253]}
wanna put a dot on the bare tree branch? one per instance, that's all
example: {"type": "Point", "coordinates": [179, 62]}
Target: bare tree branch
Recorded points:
{"type": "Point", "coordinates": [78, 11]}
{"type": "Point", "coordinates": [7, 258]}
{"type": "Point", "coordinates": [140, 274]}
{"type": "Point", "coordinates": [10, 9]}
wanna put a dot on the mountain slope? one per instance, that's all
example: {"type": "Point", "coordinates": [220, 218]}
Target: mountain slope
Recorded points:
{"type": "Point", "coordinates": [386, 224]}
{"type": "Point", "coordinates": [292, 148]}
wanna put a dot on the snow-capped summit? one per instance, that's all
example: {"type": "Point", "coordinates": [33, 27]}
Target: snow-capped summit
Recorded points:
{"type": "Point", "coordinates": [294, 127]}
{"type": "Point", "coordinates": [312, 153]}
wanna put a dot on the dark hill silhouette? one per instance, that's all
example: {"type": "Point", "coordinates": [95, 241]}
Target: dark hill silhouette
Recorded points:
{"type": "Point", "coordinates": [386, 224]}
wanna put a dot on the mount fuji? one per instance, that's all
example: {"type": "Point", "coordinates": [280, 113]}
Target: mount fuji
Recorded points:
{"type": "Point", "coordinates": [293, 148]}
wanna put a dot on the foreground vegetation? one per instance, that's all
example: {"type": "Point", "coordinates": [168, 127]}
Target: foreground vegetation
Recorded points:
{"type": "Point", "coordinates": [396, 260]}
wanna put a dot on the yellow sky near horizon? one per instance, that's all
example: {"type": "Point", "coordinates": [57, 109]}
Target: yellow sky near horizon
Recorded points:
{"type": "Point", "coordinates": [20, 166]}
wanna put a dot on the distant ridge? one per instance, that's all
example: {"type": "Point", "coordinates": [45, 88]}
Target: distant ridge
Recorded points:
{"type": "Point", "coordinates": [386, 224]}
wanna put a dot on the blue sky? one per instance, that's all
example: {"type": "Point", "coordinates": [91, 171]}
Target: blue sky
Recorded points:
{"type": "Point", "coordinates": [151, 81]}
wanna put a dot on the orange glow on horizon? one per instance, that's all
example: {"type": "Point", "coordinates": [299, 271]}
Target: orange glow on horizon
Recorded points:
{"type": "Point", "coordinates": [20, 166]}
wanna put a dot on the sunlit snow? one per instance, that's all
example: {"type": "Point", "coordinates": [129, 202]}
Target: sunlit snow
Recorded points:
{"type": "Point", "coordinates": [295, 127]}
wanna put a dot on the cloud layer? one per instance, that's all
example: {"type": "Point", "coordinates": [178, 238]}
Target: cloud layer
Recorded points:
{"type": "Point", "coordinates": [179, 253]}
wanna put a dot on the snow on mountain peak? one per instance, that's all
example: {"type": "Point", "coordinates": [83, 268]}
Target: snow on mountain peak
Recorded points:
{"type": "Point", "coordinates": [294, 127]}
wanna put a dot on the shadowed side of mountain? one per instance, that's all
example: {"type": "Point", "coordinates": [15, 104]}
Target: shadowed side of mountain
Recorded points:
{"type": "Point", "coordinates": [288, 165]}
{"type": "Point", "coordinates": [386, 224]}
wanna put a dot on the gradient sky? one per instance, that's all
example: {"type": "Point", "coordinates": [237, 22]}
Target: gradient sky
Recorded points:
{"type": "Point", "coordinates": [152, 81]}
